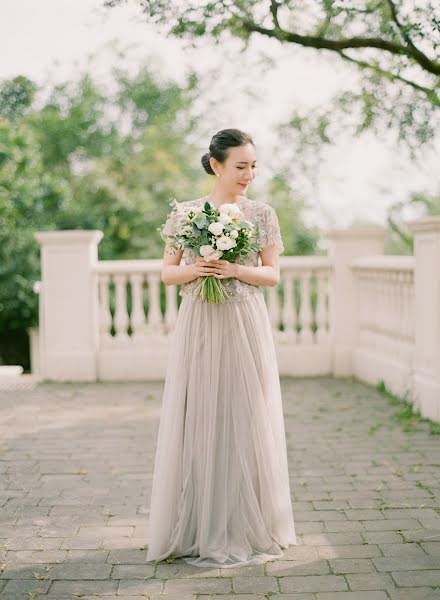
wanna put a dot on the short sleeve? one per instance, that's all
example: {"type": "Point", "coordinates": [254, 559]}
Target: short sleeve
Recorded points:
{"type": "Point", "coordinates": [270, 230]}
{"type": "Point", "coordinates": [170, 226]}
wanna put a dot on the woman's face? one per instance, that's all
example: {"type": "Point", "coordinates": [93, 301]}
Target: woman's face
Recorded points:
{"type": "Point", "coordinates": [238, 170]}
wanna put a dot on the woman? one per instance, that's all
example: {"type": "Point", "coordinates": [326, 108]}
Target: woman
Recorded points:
{"type": "Point", "coordinates": [221, 494]}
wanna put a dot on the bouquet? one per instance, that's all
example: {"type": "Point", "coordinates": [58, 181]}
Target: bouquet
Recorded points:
{"type": "Point", "coordinates": [212, 233]}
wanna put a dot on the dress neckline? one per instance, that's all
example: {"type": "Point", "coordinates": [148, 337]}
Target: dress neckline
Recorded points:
{"type": "Point", "coordinates": [207, 199]}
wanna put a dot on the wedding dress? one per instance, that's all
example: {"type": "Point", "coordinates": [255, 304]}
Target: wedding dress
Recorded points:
{"type": "Point", "coordinates": [221, 495]}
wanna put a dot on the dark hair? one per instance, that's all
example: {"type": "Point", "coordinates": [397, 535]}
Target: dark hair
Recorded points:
{"type": "Point", "coordinates": [221, 142]}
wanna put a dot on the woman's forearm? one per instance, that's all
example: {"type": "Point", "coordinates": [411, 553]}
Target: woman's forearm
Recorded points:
{"type": "Point", "coordinates": [177, 274]}
{"type": "Point", "coordinates": [262, 275]}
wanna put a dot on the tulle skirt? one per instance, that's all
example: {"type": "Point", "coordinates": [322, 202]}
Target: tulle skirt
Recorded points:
{"type": "Point", "coordinates": [220, 495]}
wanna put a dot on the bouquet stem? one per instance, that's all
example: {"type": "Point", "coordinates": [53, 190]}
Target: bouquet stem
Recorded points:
{"type": "Point", "coordinates": [211, 290]}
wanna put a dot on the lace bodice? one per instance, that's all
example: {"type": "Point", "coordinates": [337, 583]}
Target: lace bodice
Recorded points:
{"type": "Point", "coordinates": [264, 218]}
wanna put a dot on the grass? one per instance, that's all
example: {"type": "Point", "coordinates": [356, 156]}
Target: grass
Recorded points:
{"type": "Point", "coordinates": [406, 415]}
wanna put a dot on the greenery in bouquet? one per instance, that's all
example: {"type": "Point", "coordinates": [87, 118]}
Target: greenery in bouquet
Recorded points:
{"type": "Point", "coordinates": [212, 233]}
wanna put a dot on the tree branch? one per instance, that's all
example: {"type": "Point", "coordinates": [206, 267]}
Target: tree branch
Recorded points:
{"type": "Point", "coordinates": [393, 77]}
{"type": "Point", "coordinates": [344, 44]}
{"type": "Point", "coordinates": [274, 6]}
{"type": "Point", "coordinates": [417, 54]}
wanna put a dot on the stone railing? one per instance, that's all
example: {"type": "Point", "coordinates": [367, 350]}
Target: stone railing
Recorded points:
{"type": "Point", "coordinates": [352, 312]}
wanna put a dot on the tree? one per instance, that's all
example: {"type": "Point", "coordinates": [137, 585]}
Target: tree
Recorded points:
{"type": "Point", "coordinates": [393, 44]}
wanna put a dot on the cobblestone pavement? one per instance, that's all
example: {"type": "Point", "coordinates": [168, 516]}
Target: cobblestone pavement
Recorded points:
{"type": "Point", "coordinates": [75, 481]}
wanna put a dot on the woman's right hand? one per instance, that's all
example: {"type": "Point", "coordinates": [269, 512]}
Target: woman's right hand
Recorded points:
{"type": "Point", "coordinates": [203, 268]}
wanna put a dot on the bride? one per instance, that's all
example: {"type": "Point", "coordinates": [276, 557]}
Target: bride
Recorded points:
{"type": "Point", "coordinates": [221, 495]}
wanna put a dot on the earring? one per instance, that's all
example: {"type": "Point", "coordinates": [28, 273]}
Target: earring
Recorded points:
{"type": "Point", "coordinates": [218, 174]}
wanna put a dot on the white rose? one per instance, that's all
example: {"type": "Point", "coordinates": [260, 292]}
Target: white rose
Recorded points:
{"type": "Point", "coordinates": [225, 243]}
{"type": "Point", "coordinates": [234, 234]}
{"type": "Point", "coordinates": [231, 210]}
{"type": "Point", "coordinates": [224, 218]}
{"type": "Point", "coordinates": [216, 228]}
{"type": "Point", "coordinates": [210, 253]}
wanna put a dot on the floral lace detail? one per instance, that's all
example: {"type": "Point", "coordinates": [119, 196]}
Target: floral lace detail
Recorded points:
{"type": "Point", "coordinates": [263, 216]}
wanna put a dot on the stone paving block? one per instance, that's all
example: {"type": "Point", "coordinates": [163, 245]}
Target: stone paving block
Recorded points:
{"type": "Point", "coordinates": [127, 556]}
{"type": "Point", "coordinates": [417, 578]}
{"type": "Point", "coordinates": [351, 565]}
{"type": "Point", "coordinates": [363, 514]}
{"type": "Point", "coordinates": [343, 526]}
{"type": "Point", "coordinates": [308, 527]}
{"type": "Point", "coordinates": [432, 548]}
{"type": "Point", "coordinates": [282, 568]}
{"type": "Point", "coordinates": [140, 586]}
{"type": "Point", "coordinates": [421, 535]}
{"type": "Point", "coordinates": [391, 524]}
{"type": "Point", "coordinates": [372, 595]}
{"type": "Point", "coordinates": [24, 586]}
{"type": "Point", "coordinates": [34, 543]}
{"type": "Point", "coordinates": [227, 597]}
{"type": "Point", "coordinates": [400, 563]}
{"type": "Point", "coordinates": [330, 539]}
{"type": "Point", "coordinates": [299, 553]}
{"type": "Point", "coordinates": [299, 596]}
{"type": "Point", "coordinates": [202, 586]}
{"type": "Point", "coordinates": [402, 549]}
{"type": "Point", "coordinates": [254, 585]}
{"type": "Point", "coordinates": [319, 515]}
{"type": "Point", "coordinates": [79, 588]}
{"type": "Point", "coordinates": [422, 593]}
{"type": "Point", "coordinates": [382, 537]}
{"type": "Point", "coordinates": [330, 504]}
{"type": "Point", "coordinates": [312, 583]}
{"type": "Point", "coordinates": [247, 571]}
{"type": "Point", "coordinates": [349, 551]}
{"type": "Point", "coordinates": [184, 570]}
{"type": "Point", "coordinates": [87, 556]}
{"type": "Point", "coordinates": [370, 581]}
{"type": "Point", "coordinates": [36, 556]}
{"type": "Point", "coordinates": [169, 597]}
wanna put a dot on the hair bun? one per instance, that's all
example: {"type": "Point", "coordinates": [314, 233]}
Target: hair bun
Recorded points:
{"type": "Point", "coordinates": [206, 164]}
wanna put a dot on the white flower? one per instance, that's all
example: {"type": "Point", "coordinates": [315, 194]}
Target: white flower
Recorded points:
{"type": "Point", "coordinates": [224, 218]}
{"type": "Point", "coordinates": [216, 228]}
{"type": "Point", "coordinates": [210, 253]}
{"type": "Point", "coordinates": [225, 243]}
{"type": "Point", "coordinates": [231, 210]}
{"type": "Point", "coordinates": [234, 234]}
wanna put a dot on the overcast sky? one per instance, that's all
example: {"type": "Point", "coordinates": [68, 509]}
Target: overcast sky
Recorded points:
{"type": "Point", "coordinates": [355, 180]}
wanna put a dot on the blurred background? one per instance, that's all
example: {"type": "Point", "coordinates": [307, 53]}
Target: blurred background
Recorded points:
{"type": "Point", "coordinates": [107, 107]}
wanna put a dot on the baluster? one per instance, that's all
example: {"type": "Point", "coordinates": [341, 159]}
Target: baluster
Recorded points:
{"type": "Point", "coordinates": [154, 313]}
{"type": "Point", "coordinates": [321, 307]}
{"type": "Point", "coordinates": [273, 307]}
{"type": "Point", "coordinates": [121, 319]}
{"type": "Point", "coordinates": [288, 311]}
{"type": "Point", "coordinates": [138, 321]}
{"type": "Point", "coordinates": [306, 336]}
{"type": "Point", "coordinates": [105, 315]}
{"type": "Point", "coordinates": [170, 307]}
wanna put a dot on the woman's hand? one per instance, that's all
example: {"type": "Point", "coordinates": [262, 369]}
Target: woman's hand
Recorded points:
{"type": "Point", "coordinates": [224, 269]}
{"type": "Point", "coordinates": [220, 269]}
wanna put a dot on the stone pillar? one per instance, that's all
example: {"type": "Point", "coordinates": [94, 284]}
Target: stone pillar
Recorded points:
{"type": "Point", "coordinates": [426, 365]}
{"type": "Point", "coordinates": [69, 313]}
{"type": "Point", "coordinates": [344, 246]}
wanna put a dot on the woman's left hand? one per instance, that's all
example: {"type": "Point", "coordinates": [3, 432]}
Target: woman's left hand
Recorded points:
{"type": "Point", "coordinates": [224, 268]}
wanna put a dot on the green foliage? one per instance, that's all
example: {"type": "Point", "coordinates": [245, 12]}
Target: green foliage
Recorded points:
{"type": "Point", "coordinates": [400, 239]}
{"type": "Point", "coordinates": [392, 45]}
{"type": "Point", "coordinates": [406, 415]}
{"type": "Point", "coordinates": [89, 159]}
{"type": "Point", "coordinates": [69, 164]}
